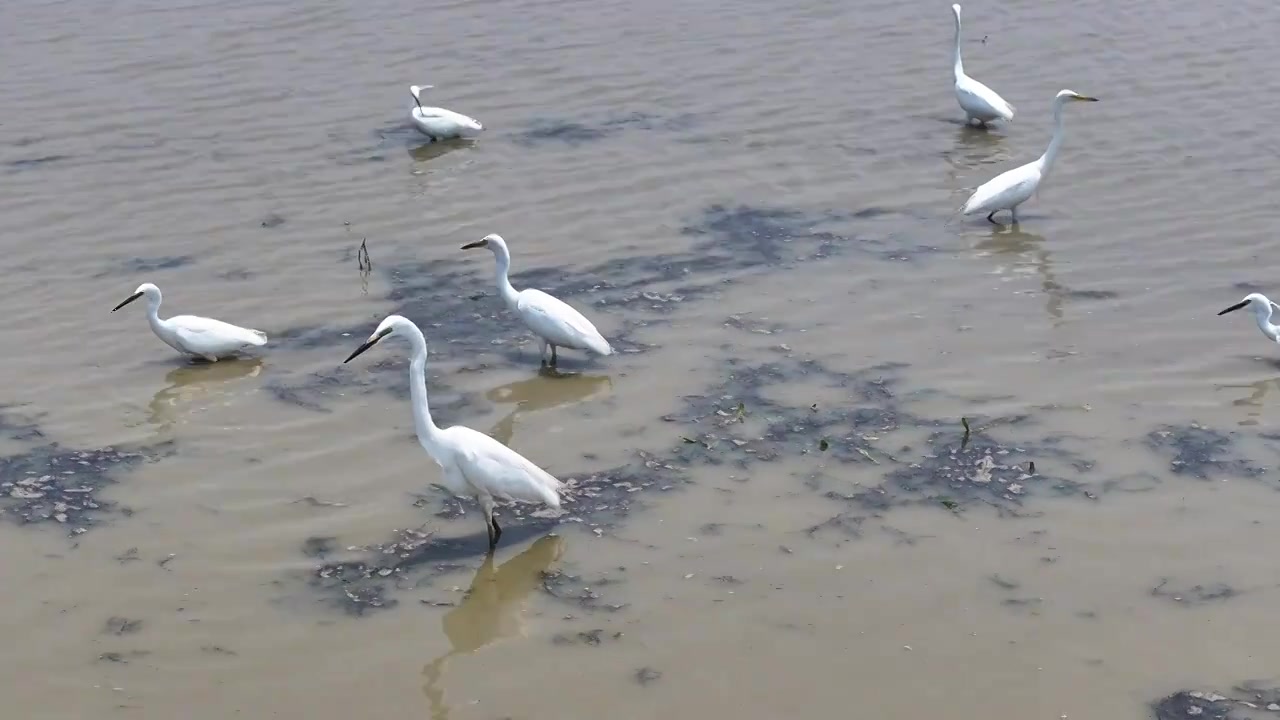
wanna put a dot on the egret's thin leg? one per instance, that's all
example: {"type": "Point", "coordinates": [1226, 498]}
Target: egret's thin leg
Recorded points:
{"type": "Point", "coordinates": [1013, 213]}
{"type": "Point", "coordinates": [542, 351]}
{"type": "Point", "coordinates": [553, 356]}
{"type": "Point", "coordinates": [497, 531]}
{"type": "Point", "coordinates": [991, 218]}
{"type": "Point", "coordinates": [486, 504]}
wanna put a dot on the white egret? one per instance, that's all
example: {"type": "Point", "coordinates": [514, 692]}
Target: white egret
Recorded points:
{"type": "Point", "coordinates": [553, 321]}
{"type": "Point", "coordinates": [474, 464]}
{"type": "Point", "coordinates": [1011, 188]}
{"type": "Point", "coordinates": [978, 101]}
{"type": "Point", "coordinates": [1262, 309]}
{"type": "Point", "coordinates": [438, 123]}
{"type": "Point", "coordinates": [194, 335]}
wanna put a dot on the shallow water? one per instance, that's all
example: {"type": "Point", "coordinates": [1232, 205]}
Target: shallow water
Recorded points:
{"type": "Point", "coordinates": [756, 203]}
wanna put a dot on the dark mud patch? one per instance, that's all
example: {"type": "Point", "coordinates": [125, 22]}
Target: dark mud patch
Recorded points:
{"type": "Point", "coordinates": [1194, 595]}
{"type": "Point", "coordinates": [646, 676]}
{"type": "Point", "coordinates": [739, 424]}
{"type": "Point", "coordinates": [570, 133]}
{"type": "Point", "coordinates": [1200, 452]}
{"type": "Point", "coordinates": [413, 559]}
{"type": "Point", "coordinates": [144, 265]}
{"type": "Point", "coordinates": [51, 484]}
{"type": "Point", "coordinates": [745, 425]}
{"type": "Point", "coordinates": [590, 638]}
{"type": "Point", "coordinates": [1251, 700]}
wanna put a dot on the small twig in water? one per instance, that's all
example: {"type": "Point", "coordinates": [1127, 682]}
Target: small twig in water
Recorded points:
{"type": "Point", "coordinates": [362, 256]}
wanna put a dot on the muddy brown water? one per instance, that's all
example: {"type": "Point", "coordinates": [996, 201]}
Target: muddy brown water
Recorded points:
{"type": "Point", "coordinates": [756, 199]}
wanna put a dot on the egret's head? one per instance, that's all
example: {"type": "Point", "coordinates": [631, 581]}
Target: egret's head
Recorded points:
{"type": "Point", "coordinates": [956, 9]}
{"type": "Point", "coordinates": [390, 325]}
{"type": "Point", "coordinates": [1067, 95]}
{"type": "Point", "coordinates": [151, 292]}
{"type": "Point", "coordinates": [493, 241]}
{"type": "Point", "coordinates": [1257, 301]}
{"type": "Point", "coordinates": [416, 92]}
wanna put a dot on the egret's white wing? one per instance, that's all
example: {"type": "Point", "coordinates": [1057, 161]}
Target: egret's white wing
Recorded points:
{"type": "Point", "coordinates": [495, 469]}
{"type": "Point", "coordinates": [979, 99]}
{"type": "Point", "coordinates": [440, 120]}
{"type": "Point", "coordinates": [206, 336]}
{"type": "Point", "coordinates": [1004, 191]}
{"type": "Point", "coordinates": [559, 323]}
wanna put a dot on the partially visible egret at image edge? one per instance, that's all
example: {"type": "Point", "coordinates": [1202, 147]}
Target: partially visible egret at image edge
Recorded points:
{"type": "Point", "coordinates": [474, 464]}
{"type": "Point", "coordinates": [438, 123]}
{"type": "Point", "coordinates": [1011, 188]}
{"type": "Point", "coordinates": [553, 321]}
{"type": "Point", "coordinates": [1262, 309]}
{"type": "Point", "coordinates": [194, 335]}
{"type": "Point", "coordinates": [978, 101]}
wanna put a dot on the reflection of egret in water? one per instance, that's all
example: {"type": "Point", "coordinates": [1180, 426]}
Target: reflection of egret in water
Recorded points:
{"type": "Point", "coordinates": [429, 151]}
{"type": "Point", "coordinates": [1253, 400]}
{"type": "Point", "coordinates": [543, 393]}
{"type": "Point", "coordinates": [1009, 240]}
{"type": "Point", "coordinates": [492, 610]}
{"type": "Point", "coordinates": [189, 382]}
{"type": "Point", "coordinates": [974, 147]}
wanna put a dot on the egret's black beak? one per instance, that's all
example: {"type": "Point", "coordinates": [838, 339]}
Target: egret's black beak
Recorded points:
{"type": "Point", "coordinates": [127, 300]}
{"type": "Point", "coordinates": [368, 344]}
{"type": "Point", "coordinates": [476, 244]}
{"type": "Point", "coordinates": [1237, 306]}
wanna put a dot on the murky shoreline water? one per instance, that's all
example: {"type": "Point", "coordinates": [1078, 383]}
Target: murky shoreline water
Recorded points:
{"type": "Point", "coordinates": [774, 503]}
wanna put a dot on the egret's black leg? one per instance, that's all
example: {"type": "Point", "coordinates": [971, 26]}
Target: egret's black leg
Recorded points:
{"type": "Point", "coordinates": [497, 533]}
{"type": "Point", "coordinates": [991, 218]}
{"type": "Point", "coordinates": [553, 356]}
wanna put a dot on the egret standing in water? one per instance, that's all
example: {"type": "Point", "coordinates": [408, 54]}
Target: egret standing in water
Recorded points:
{"type": "Point", "coordinates": [474, 464]}
{"type": "Point", "coordinates": [1011, 188]}
{"type": "Point", "coordinates": [554, 322]}
{"type": "Point", "coordinates": [1262, 309]}
{"type": "Point", "coordinates": [438, 123]}
{"type": "Point", "coordinates": [193, 335]}
{"type": "Point", "coordinates": [978, 101]}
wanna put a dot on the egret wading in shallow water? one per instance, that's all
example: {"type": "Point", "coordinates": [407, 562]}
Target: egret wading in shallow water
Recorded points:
{"type": "Point", "coordinates": [438, 123]}
{"type": "Point", "coordinates": [194, 335]}
{"type": "Point", "coordinates": [555, 323]}
{"type": "Point", "coordinates": [1262, 309]}
{"type": "Point", "coordinates": [1011, 188]}
{"type": "Point", "coordinates": [474, 464]}
{"type": "Point", "coordinates": [978, 101]}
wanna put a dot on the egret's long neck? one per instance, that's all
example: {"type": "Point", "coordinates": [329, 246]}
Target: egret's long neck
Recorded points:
{"type": "Point", "coordinates": [1262, 313]}
{"type": "Point", "coordinates": [153, 313]}
{"type": "Point", "coordinates": [428, 433]}
{"type": "Point", "coordinates": [503, 257]}
{"type": "Point", "coordinates": [959, 66]}
{"type": "Point", "coordinates": [1055, 144]}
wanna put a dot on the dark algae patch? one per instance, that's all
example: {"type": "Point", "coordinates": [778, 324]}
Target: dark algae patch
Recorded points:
{"type": "Point", "coordinates": [1201, 452]}
{"type": "Point", "coordinates": [739, 424]}
{"type": "Point", "coordinates": [48, 483]}
{"type": "Point", "coordinates": [1250, 700]}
